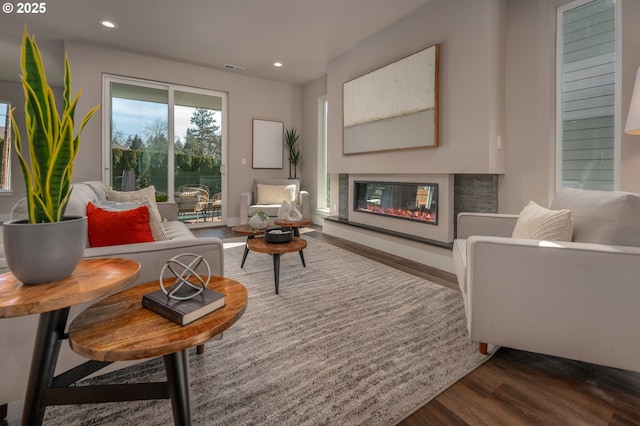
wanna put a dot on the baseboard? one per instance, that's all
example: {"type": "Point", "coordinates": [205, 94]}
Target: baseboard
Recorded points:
{"type": "Point", "coordinates": [436, 257]}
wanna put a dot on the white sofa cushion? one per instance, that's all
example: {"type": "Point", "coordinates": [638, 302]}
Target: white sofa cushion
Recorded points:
{"type": "Point", "coordinates": [176, 230]}
{"type": "Point", "coordinates": [268, 209]}
{"type": "Point", "coordinates": [602, 217]}
{"type": "Point", "coordinates": [276, 194]}
{"type": "Point", "coordinates": [145, 194]}
{"type": "Point", "coordinates": [81, 195]}
{"type": "Point", "coordinates": [538, 223]}
{"type": "Point", "coordinates": [98, 187]}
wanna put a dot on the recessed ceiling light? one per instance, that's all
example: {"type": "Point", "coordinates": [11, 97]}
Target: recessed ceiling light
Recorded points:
{"type": "Point", "coordinates": [277, 64]}
{"type": "Point", "coordinates": [108, 24]}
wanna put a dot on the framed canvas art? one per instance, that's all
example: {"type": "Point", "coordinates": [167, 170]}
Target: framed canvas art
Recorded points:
{"type": "Point", "coordinates": [268, 144]}
{"type": "Point", "coordinates": [393, 107]}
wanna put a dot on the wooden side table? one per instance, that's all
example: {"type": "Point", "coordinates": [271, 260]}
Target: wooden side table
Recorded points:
{"type": "Point", "coordinates": [250, 233]}
{"type": "Point", "coordinates": [305, 221]}
{"type": "Point", "coordinates": [92, 279]}
{"type": "Point", "coordinates": [118, 328]}
{"type": "Point", "coordinates": [276, 250]}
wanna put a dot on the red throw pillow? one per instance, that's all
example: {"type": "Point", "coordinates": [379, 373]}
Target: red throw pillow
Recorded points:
{"type": "Point", "coordinates": [107, 228]}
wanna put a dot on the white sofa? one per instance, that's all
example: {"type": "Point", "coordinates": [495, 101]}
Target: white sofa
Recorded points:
{"type": "Point", "coordinates": [17, 334]}
{"type": "Point", "coordinates": [266, 197]}
{"type": "Point", "coordinates": [576, 299]}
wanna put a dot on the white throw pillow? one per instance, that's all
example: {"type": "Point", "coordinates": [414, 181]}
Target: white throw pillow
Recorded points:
{"type": "Point", "coordinates": [145, 194]}
{"type": "Point", "coordinates": [156, 227]}
{"type": "Point", "coordinates": [538, 223]}
{"type": "Point", "coordinates": [276, 194]}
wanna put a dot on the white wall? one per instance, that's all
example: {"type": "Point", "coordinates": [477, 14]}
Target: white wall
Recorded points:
{"type": "Point", "coordinates": [471, 89]}
{"type": "Point", "coordinates": [497, 71]}
{"type": "Point", "coordinates": [530, 35]}
{"type": "Point", "coordinates": [530, 97]}
{"type": "Point", "coordinates": [471, 101]}
{"type": "Point", "coordinates": [249, 98]}
{"type": "Point", "coordinates": [311, 93]}
{"type": "Point", "coordinates": [630, 173]}
{"type": "Point", "coordinates": [484, 93]}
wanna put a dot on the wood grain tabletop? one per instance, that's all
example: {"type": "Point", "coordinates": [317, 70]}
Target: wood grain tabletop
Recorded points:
{"type": "Point", "coordinates": [118, 328]}
{"type": "Point", "coordinates": [91, 280]}
{"type": "Point", "coordinates": [261, 246]}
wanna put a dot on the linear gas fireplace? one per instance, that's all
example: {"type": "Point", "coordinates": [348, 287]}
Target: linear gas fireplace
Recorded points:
{"type": "Point", "coordinates": [411, 201]}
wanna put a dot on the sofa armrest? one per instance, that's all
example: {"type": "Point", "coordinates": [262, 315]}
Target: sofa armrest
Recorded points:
{"type": "Point", "coordinates": [153, 255]}
{"type": "Point", "coordinates": [168, 210]}
{"type": "Point", "coordinates": [305, 203]}
{"type": "Point", "coordinates": [490, 224]}
{"type": "Point", "coordinates": [246, 198]}
{"type": "Point", "coordinates": [568, 299]}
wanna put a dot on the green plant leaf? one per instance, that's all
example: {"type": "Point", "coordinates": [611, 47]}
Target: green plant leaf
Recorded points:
{"type": "Point", "coordinates": [52, 145]}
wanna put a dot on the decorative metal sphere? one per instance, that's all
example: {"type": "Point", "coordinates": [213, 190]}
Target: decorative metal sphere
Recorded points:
{"type": "Point", "coordinates": [182, 272]}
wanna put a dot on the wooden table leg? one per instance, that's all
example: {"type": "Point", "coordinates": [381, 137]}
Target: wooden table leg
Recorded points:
{"type": "Point", "coordinates": [50, 332]}
{"type": "Point", "coordinates": [304, 265]}
{"type": "Point", "coordinates": [177, 367]}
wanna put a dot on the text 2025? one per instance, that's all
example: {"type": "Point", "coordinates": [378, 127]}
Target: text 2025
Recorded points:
{"type": "Point", "coordinates": [31, 7]}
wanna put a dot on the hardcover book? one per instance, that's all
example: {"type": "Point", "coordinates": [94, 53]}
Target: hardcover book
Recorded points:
{"type": "Point", "coordinates": [183, 312]}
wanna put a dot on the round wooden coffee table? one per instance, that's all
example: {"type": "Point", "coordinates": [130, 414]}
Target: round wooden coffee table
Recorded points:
{"type": "Point", "coordinates": [250, 233]}
{"type": "Point", "coordinates": [276, 250]}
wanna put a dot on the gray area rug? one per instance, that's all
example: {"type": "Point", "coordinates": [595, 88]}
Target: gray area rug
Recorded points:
{"type": "Point", "coordinates": [348, 341]}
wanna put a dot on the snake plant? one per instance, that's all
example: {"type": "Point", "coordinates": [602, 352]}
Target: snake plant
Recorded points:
{"type": "Point", "coordinates": [293, 150]}
{"type": "Point", "coordinates": [52, 145]}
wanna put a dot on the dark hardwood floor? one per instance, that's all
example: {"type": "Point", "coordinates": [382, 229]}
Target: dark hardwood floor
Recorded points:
{"type": "Point", "coordinates": [513, 387]}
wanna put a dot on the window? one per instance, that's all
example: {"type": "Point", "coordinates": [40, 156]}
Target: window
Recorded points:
{"type": "Point", "coordinates": [323, 177]}
{"type": "Point", "coordinates": [167, 136]}
{"type": "Point", "coordinates": [587, 145]}
{"type": "Point", "coordinates": [5, 146]}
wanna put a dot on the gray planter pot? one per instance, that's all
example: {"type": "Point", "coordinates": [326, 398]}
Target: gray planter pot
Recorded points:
{"type": "Point", "coordinates": [39, 253]}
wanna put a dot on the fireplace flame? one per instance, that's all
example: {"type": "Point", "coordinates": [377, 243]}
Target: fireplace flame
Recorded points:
{"type": "Point", "coordinates": [414, 214]}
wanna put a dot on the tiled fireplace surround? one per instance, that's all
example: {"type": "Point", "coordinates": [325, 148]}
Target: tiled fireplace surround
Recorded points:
{"type": "Point", "coordinates": [421, 242]}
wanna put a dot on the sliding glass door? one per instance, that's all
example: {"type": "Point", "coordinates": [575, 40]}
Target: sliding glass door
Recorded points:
{"type": "Point", "coordinates": [172, 137]}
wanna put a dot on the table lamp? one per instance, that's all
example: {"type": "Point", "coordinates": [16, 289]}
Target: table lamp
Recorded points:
{"type": "Point", "coordinates": [633, 119]}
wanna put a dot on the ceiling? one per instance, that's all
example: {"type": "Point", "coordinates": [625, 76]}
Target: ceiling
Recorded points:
{"type": "Point", "coordinates": [304, 35]}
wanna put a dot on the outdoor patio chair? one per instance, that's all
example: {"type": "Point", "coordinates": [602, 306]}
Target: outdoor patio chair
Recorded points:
{"type": "Point", "coordinates": [192, 199]}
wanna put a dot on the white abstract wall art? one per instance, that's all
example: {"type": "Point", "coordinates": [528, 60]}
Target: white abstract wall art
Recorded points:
{"type": "Point", "coordinates": [393, 107]}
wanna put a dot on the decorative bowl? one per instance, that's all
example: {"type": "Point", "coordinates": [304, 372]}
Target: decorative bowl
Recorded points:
{"type": "Point", "coordinates": [278, 235]}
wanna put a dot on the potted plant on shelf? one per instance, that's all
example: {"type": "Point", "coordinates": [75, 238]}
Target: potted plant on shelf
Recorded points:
{"type": "Point", "coordinates": [47, 246]}
{"type": "Point", "coordinates": [294, 153]}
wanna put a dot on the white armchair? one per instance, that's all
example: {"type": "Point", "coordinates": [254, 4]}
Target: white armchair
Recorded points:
{"type": "Point", "coordinates": [268, 195]}
{"type": "Point", "coordinates": [577, 299]}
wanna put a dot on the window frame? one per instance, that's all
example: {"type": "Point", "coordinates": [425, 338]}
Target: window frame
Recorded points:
{"type": "Point", "coordinates": [558, 119]}
{"type": "Point", "coordinates": [6, 160]}
{"type": "Point", "coordinates": [171, 89]}
{"type": "Point", "coordinates": [322, 202]}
